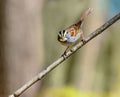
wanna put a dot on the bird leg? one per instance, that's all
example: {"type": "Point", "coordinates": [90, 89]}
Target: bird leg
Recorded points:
{"type": "Point", "coordinates": [64, 54]}
{"type": "Point", "coordinates": [83, 38]}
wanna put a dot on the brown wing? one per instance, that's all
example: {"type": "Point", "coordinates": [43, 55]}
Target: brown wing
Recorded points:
{"type": "Point", "coordinates": [74, 29]}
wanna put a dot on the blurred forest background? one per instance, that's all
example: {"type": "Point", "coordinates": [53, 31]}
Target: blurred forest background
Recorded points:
{"type": "Point", "coordinates": [28, 43]}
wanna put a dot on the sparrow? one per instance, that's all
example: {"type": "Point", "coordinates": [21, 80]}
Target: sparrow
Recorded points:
{"type": "Point", "coordinates": [73, 33]}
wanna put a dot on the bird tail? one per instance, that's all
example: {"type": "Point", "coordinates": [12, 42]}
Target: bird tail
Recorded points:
{"type": "Point", "coordinates": [85, 14]}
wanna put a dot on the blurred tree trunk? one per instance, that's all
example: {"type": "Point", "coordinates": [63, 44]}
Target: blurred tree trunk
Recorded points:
{"type": "Point", "coordinates": [21, 40]}
{"type": "Point", "coordinates": [3, 80]}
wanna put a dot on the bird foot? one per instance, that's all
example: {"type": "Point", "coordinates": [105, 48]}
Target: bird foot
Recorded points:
{"type": "Point", "coordinates": [64, 55]}
{"type": "Point", "coordinates": [83, 40]}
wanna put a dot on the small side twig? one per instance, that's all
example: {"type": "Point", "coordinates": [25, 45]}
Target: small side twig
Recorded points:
{"type": "Point", "coordinates": [68, 54]}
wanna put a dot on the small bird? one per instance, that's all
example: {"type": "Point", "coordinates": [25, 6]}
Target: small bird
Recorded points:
{"type": "Point", "coordinates": [73, 33]}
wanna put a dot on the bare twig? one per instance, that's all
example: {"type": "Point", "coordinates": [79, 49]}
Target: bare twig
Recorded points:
{"type": "Point", "coordinates": [61, 59]}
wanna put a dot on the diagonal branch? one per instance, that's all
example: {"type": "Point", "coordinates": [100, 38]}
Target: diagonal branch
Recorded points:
{"type": "Point", "coordinates": [68, 54]}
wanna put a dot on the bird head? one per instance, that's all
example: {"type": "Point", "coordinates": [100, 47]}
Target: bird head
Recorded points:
{"type": "Point", "coordinates": [63, 36]}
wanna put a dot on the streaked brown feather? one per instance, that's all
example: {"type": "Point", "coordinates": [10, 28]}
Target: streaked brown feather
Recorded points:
{"type": "Point", "coordinates": [75, 28]}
